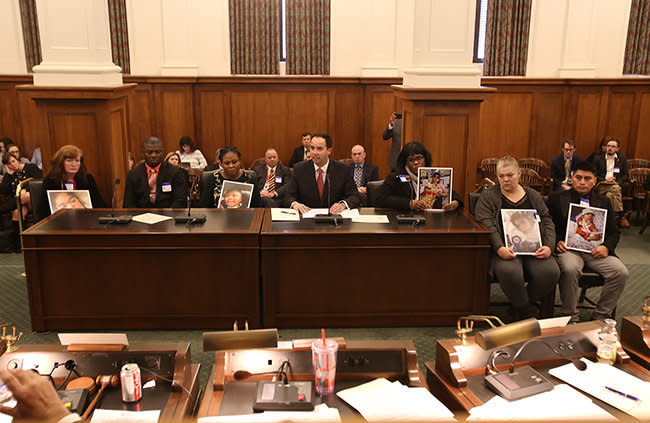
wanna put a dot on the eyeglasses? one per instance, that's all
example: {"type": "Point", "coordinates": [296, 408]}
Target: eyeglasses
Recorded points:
{"type": "Point", "coordinates": [568, 149]}
{"type": "Point", "coordinates": [418, 158]}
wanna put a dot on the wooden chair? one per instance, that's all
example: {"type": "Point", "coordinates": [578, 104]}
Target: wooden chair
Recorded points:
{"type": "Point", "coordinates": [638, 177]}
{"type": "Point", "coordinates": [635, 163]}
{"type": "Point", "coordinates": [194, 175]}
{"type": "Point", "coordinates": [483, 185]}
{"type": "Point", "coordinates": [540, 167]}
{"type": "Point", "coordinates": [647, 213]}
{"type": "Point", "coordinates": [531, 178]}
{"type": "Point", "coordinates": [488, 168]}
{"type": "Point", "coordinates": [38, 198]}
{"type": "Point", "coordinates": [257, 162]}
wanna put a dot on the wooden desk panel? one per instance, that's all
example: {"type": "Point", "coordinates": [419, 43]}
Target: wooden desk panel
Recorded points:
{"type": "Point", "coordinates": [83, 275]}
{"type": "Point", "coordinates": [359, 274]}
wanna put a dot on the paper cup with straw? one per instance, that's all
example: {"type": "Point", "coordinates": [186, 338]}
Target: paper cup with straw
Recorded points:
{"type": "Point", "coordinates": [323, 353]}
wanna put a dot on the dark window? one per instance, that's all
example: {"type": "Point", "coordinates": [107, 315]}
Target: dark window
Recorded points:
{"type": "Point", "coordinates": [479, 30]}
{"type": "Point", "coordinates": [283, 30]}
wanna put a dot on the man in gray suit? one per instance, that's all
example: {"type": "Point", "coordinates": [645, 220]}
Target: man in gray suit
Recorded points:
{"type": "Point", "coordinates": [394, 131]}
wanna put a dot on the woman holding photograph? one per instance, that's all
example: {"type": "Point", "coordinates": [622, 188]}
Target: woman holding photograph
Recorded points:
{"type": "Point", "coordinates": [399, 188]}
{"type": "Point", "coordinates": [69, 172]}
{"type": "Point", "coordinates": [540, 269]}
{"type": "Point", "coordinates": [230, 158]}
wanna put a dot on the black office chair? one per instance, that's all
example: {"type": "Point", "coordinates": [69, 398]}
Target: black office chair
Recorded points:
{"type": "Point", "coordinates": [38, 198]}
{"type": "Point", "coordinates": [372, 190]}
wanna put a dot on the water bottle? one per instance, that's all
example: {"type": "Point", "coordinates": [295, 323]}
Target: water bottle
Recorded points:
{"type": "Point", "coordinates": [607, 339]}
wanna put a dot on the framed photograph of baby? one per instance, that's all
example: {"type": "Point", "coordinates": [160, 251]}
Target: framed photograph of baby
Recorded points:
{"type": "Point", "coordinates": [585, 227]}
{"type": "Point", "coordinates": [434, 186]}
{"type": "Point", "coordinates": [69, 199]}
{"type": "Point", "coordinates": [521, 230]}
{"type": "Point", "coordinates": [235, 195]}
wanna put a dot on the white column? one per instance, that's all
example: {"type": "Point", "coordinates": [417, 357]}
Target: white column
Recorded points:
{"type": "Point", "coordinates": [382, 31]}
{"type": "Point", "coordinates": [443, 46]}
{"type": "Point", "coordinates": [12, 50]}
{"type": "Point", "coordinates": [179, 54]}
{"type": "Point", "coordinates": [76, 44]}
{"type": "Point", "coordinates": [578, 48]}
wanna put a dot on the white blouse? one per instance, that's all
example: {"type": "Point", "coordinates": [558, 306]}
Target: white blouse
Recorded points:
{"type": "Point", "coordinates": [195, 159]}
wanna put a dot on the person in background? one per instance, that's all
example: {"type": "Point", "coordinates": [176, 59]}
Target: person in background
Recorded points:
{"type": "Point", "coordinates": [173, 158]}
{"type": "Point", "coordinates": [540, 269]}
{"type": "Point", "coordinates": [190, 154]}
{"type": "Point", "coordinates": [231, 170]}
{"type": "Point", "coordinates": [68, 172]}
{"type": "Point", "coordinates": [600, 150]}
{"type": "Point", "coordinates": [271, 177]}
{"type": "Point", "coordinates": [14, 150]}
{"type": "Point", "coordinates": [217, 163]}
{"type": "Point", "coordinates": [613, 178]}
{"type": "Point", "coordinates": [362, 171]}
{"type": "Point", "coordinates": [36, 158]}
{"type": "Point", "coordinates": [393, 131]}
{"type": "Point", "coordinates": [399, 188]}
{"type": "Point", "coordinates": [563, 165]}
{"type": "Point", "coordinates": [301, 153]}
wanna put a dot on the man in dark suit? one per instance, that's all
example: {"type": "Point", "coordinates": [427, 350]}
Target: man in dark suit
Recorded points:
{"type": "Point", "coordinates": [321, 182]}
{"type": "Point", "coordinates": [271, 177]}
{"type": "Point", "coordinates": [600, 259]}
{"type": "Point", "coordinates": [563, 165]}
{"type": "Point", "coordinates": [394, 131]}
{"type": "Point", "coordinates": [155, 183]}
{"type": "Point", "coordinates": [613, 177]}
{"type": "Point", "coordinates": [362, 171]}
{"type": "Point", "coordinates": [301, 153]}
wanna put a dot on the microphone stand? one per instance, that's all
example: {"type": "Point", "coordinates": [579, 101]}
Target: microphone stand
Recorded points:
{"type": "Point", "coordinates": [334, 219]}
{"type": "Point", "coordinates": [189, 219]}
{"type": "Point", "coordinates": [107, 220]}
{"type": "Point", "coordinates": [414, 219]}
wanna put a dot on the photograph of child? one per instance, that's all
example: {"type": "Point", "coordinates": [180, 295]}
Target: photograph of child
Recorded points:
{"type": "Point", "coordinates": [585, 228]}
{"type": "Point", "coordinates": [73, 199]}
{"type": "Point", "coordinates": [235, 195]}
{"type": "Point", "coordinates": [434, 186]}
{"type": "Point", "coordinates": [521, 230]}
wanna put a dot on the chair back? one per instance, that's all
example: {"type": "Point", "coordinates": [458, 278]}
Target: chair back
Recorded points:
{"type": "Point", "coordinates": [638, 177]}
{"type": "Point", "coordinates": [489, 168]}
{"type": "Point", "coordinates": [372, 189]}
{"type": "Point", "coordinates": [250, 173]}
{"type": "Point", "coordinates": [531, 178]}
{"type": "Point", "coordinates": [257, 162]}
{"type": "Point", "coordinates": [635, 163]}
{"type": "Point", "coordinates": [472, 199]}
{"type": "Point", "coordinates": [537, 165]}
{"type": "Point", "coordinates": [347, 161]}
{"type": "Point", "coordinates": [38, 198]}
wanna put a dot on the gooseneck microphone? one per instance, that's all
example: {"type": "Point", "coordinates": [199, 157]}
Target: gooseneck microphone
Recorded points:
{"type": "Point", "coordinates": [107, 220]}
{"type": "Point", "coordinates": [329, 217]}
{"type": "Point", "coordinates": [414, 219]}
{"type": "Point", "coordinates": [189, 219]}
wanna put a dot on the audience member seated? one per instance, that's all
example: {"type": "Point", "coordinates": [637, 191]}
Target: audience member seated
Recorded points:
{"type": "Point", "coordinates": [271, 177]}
{"type": "Point", "coordinates": [601, 259]}
{"type": "Point", "coordinates": [321, 182]}
{"type": "Point", "coordinates": [563, 165]}
{"type": "Point", "coordinates": [14, 173]}
{"type": "Point", "coordinates": [216, 165]}
{"type": "Point", "coordinates": [540, 269]}
{"type": "Point", "coordinates": [230, 159]}
{"type": "Point", "coordinates": [69, 172]}
{"type": "Point", "coordinates": [12, 149]}
{"type": "Point", "coordinates": [301, 153]}
{"type": "Point", "coordinates": [399, 188]}
{"type": "Point", "coordinates": [173, 158]}
{"type": "Point", "coordinates": [362, 171]}
{"type": "Point", "coordinates": [36, 399]}
{"type": "Point", "coordinates": [190, 154]}
{"type": "Point", "coordinates": [4, 142]}
{"type": "Point", "coordinates": [36, 158]}
{"type": "Point", "coordinates": [600, 150]}
{"type": "Point", "coordinates": [613, 177]}
{"type": "Point", "coordinates": [155, 183]}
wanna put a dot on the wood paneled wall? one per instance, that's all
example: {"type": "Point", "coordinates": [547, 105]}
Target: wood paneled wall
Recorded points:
{"type": "Point", "coordinates": [525, 118]}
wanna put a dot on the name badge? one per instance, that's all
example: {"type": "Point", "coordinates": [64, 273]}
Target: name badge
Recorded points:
{"type": "Point", "coordinates": [69, 186]}
{"type": "Point", "coordinates": [166, 187]}
{"type": "Point", "coordinates": [584, 202]}
{"type": "Point", "coordinates": [403, 178]}
{"type": "Point", "coordinates": [617, 170]}
{"type": "Point", "coordinates": [278, 179]}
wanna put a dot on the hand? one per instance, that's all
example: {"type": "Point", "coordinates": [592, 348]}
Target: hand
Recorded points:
{"type": "Point", "coordinates": [362, 190]}
{"type": "Point", "coordinates": [300, 207]}
{"type": "Point", "coordinates": [610, 179]}
{"type": "Point", "coordinates": [393, 119]}
{"type": "Point", "coordinates": [8, 170]}
{"type": "Point", "coordinates": [542, 252]}
{"type": "Point", "coordinates": [337, 208]}
{"type": "Point", "coordinates": [451, 206]}
{"type": "Point", "coordinates": [506, 253]}
{"type": "Point", "coordinates": [36, 399]}
{"type": "Point", "coordinates": [566, 187]}
{"type": "Point", "coordinates": [25, 197]}
{"type": "Point", "coordinates": [266, 194]}
{"type": "Point", "coordinates": [417, 205]}
{"type": "Point", "coordinates": [600, 252]}
{"type": "Point", "coordinates": [561, 247]}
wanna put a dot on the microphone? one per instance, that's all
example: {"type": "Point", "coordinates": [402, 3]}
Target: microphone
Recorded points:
{"type": "Point", "coordinates": [107, 220]}
{"type": "Point", "coordinates": [329, 217]}
{"type": "Point", "coordinates": [414, 219]}
{"type": "Point", "coordinates": [189, 219]}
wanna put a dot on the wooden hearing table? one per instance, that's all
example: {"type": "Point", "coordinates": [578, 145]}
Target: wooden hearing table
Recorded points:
{"type": "Point", "coordinates": [371, 274]}
{"type": "Point", "coordinates": [82, 275]}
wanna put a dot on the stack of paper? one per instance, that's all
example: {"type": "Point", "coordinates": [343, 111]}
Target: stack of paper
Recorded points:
{"type": "Point", "coordinates": [284, 215]}
{"type": "Point", "coordinates": [123, 416]}
{"type": "Point", "coordinates": [382, 400]}
{"type": "Point", "coordinates": [561, 403]}
{"type": "Point", "coordinates": [321, 413]}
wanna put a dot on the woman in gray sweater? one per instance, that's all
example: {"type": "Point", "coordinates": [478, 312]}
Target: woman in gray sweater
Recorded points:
{"type": "Point", "coordinates": [540, 270]}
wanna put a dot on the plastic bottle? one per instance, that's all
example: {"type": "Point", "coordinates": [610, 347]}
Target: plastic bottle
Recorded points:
{"type": "Point", "coordinates": [607, 339]}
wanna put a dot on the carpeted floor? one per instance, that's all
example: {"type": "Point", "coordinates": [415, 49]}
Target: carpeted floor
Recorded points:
{"type": "Point", "coordinates": [633, 249]}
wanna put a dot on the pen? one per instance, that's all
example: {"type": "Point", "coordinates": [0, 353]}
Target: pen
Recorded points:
{"type": "Point", "coordinates": [616, 391]}
{"type": "Point", "coordinates": [287, 212]}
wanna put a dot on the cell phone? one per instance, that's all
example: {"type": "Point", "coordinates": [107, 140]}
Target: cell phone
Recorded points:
{"type": "Point", "coordinates": [398, 115]}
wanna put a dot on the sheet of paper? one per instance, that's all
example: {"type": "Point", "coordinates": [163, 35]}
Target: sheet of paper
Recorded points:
{"type": "Point", "coordinates": [568, 404]}
{"type": "Point", "coordinates": [122, 416]}
{"type": "Point", "coordinates": [93, 338]}
{"type": "Point", "coordinates": [150, 218]}
{"type": "Point", "coordinates": [284, 215]}
{"type": "Point", "coordinates": [321, 413]}
{"type": "Point", "coordinates": [5, 418]}
{"type": "Point", "coordinates": [382, 400]}
{"type": "Point", "coordinates": [554, 322]}
{"type": "Point", "coordinates": [597, 376]}
{"type": "Point", "coordinates": [371, 218]}
{"type": "Point", "coordinates": [346, 214]}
